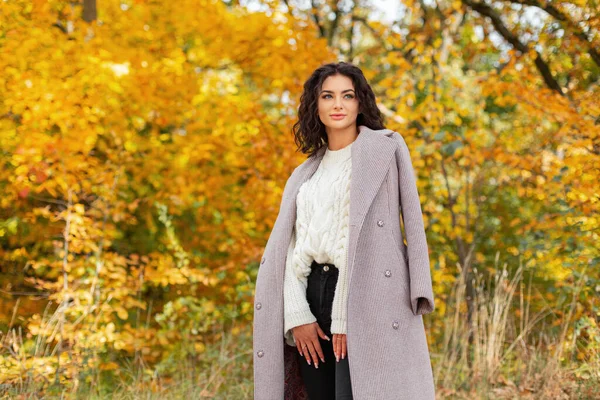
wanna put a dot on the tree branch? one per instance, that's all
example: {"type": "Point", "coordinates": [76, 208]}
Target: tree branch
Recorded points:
{"type": "Point", "coordinates": [315, 15]}
{"type": "Point", "coordinates": [511, 38]}
{"type": "Point", "coordinates": [564, 19]}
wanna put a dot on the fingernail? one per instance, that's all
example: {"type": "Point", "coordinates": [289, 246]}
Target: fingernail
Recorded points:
{"type": "Point", "coordinates": [308, 362]}
{"type": "Point", "coordinates": [337, 358]}
{"type": "Point", "coordinates": [317, 366]}
{"type": "Point", "coordinates": [322, 359]}
{"type": "Point", "coordinates": [343, 355]}
{"type": "Point", "coordinates": [328, 338]}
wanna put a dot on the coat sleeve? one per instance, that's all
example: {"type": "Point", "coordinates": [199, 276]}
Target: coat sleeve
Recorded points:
{"type": "Point", "coordinates": [421, 291]}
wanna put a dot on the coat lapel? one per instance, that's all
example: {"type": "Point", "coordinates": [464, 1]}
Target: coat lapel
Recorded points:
{"type": "Point", "coordinates": [370, 162]}
{"type": "Point", "coordinates": [371, 154]}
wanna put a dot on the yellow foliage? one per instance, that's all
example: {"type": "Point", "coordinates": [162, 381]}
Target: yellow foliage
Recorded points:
{"type": "Point", "coordinates": [144, 160]}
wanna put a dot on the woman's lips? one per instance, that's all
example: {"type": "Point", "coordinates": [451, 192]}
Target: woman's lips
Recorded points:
{"type": "Point", "coordinates": [338, 116]}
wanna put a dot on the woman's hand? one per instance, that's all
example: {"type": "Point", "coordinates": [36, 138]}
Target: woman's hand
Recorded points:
{"type": "Point", "coordinates": [339, 345]}
{"type": "Point", "coordinates": [307, 341]}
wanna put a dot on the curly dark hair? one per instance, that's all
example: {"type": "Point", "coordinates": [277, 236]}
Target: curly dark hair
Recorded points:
{"type": "Point", "coordinates": [309, 131]}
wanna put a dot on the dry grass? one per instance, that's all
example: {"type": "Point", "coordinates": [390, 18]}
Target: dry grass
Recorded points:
{"type": "Point", "coordinates": [511, 355]}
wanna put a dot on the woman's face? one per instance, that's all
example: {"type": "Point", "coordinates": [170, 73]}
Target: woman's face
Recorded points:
{"type": "Point", "coordinates": [338, 97]}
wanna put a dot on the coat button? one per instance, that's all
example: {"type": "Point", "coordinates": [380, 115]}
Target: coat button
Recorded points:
{"type": "Point", "coordinates": [380, 223]}
{"type": "Point", "coordinates": [263, 260]}
{"type": "Point", "coordinates": [395, 325]}
{"type": "Point", "coordinates": [326, 268]}
{"type": "Point", "coordinates": [260, 353]}
{"type": "Point", "coordinates": [388, 273]}
{"type": "Point", "coordinates": [258, 306]}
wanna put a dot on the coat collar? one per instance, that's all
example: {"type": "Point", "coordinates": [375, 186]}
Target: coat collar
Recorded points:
{"type": "Point", "coordinates": [366, 178]}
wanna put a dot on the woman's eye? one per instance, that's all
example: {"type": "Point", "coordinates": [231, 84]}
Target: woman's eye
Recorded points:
{"type": "Point", "coordinates": [328, 95]}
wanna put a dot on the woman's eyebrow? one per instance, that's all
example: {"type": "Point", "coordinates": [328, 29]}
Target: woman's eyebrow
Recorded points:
{"type": "Point", "coordinates": [343, 91]}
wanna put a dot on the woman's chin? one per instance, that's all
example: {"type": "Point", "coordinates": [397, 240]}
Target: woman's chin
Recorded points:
{"type": "Point", "coordinates": [340, 123]}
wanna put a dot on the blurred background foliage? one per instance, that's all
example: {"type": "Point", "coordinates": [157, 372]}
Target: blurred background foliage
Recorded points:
{"type": "Point", "coordinates": [145, 146]}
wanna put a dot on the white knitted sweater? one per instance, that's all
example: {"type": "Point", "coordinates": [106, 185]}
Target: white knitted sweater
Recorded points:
{"type": "Point", "coordinates": [321, 234]}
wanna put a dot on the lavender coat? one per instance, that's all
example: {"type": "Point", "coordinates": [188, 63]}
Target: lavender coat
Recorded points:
{"type": "Point", "coordinates": [389, 283]}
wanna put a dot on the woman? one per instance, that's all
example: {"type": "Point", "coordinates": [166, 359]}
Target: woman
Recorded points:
{"type": "Point", "coordinates": [339, 296]}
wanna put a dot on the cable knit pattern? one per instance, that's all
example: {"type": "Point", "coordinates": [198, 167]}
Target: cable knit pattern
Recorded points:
{"type": "Point", "coordinates": [320, 234]}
